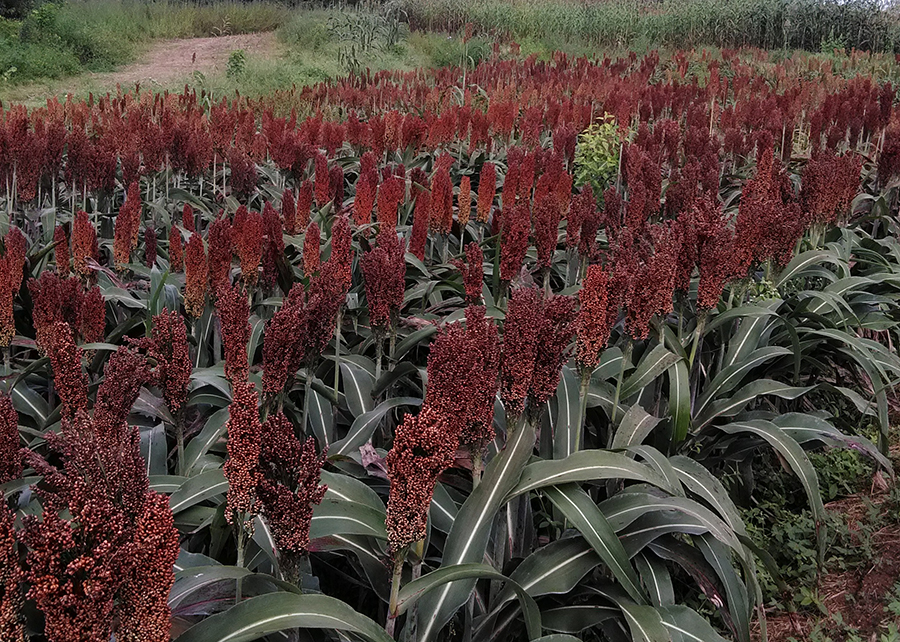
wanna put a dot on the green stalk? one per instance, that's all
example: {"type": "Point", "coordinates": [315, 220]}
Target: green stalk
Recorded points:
{"type": "Point", "coordinates": [477, 467]}
{"type": "Point", "coordinates": [179, 437]}
{"type": "Point", "coordinates": [698, 333]}
{"type": "Point", "coordinates": [306, 389]}
{"type": "Point", "coordinates": [379, 353]}
{"type": "Point", "coordinates": [241, 542]}
{"type": "Point", "coordinates": [391, 621]}
{"type": "Point", "coordinates": [625, 356]}
{"type": "Point", "coordinates": [582, 409]}
{"type": "Point", "coordinates": [337, 352]}
{"type": "Point", "coordinates": [392, 345]}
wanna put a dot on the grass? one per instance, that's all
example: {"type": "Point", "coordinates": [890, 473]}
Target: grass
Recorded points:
{"type": "Point", "coordinates": [769, 24]}
{"type": "Point", "coordinates": [312, 46]}
{"type": "Point", "coordinates": [57, 40]}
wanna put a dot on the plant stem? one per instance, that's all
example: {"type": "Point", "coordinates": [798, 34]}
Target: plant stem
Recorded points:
{"type": "Point", "coordinates": [239, 537]}
{"type": "Point", "coordinates": [698, 333]}
{"type": "Point", "coordinates": [392, 344]}
{"type": "Point", "coordinates": [179, 437]}
{"type": "Point", "coordinates": [337, 351]}
{"type": "Point", "coordinates": [306, 389]}
{"type": "Point", "coordinates": [390, 623]}
{"type": "Point", "coordinates": [477, 466]}
{"type": "Point", "coordinates": [629, 345]}
{"type": "Point", "coordinates": [582, 410]}
{"type": "Point", "coordinates": [379, 354]}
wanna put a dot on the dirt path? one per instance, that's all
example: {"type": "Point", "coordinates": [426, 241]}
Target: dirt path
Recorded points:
{"type": "Point", "coordinates": [171, 60]}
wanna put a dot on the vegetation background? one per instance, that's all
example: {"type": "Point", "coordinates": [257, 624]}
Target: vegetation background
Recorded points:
{"type": "Point", "coordinates": [54, 47]}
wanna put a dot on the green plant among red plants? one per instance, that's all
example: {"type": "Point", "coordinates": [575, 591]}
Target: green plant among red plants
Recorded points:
{"type": "Point", "coordinates": [390, 370]}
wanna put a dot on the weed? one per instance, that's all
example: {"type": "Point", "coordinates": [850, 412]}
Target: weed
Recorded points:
{"type": "Point", "coordinates": [597, 154]}
{"type": "Point", "coordinates": [237, 61]}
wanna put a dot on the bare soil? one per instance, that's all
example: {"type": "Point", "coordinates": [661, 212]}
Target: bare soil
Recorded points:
{"type": "Point", "coordinates": [169, 60]}
{"type": "Point", "coordinates": [859, 595]}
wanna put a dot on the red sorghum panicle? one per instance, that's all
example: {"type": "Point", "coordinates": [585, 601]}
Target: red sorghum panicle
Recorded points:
{"type": "Point", "coordinates": [169, 347]}
{"type": "Point", "coordinates": [485, 381]}
{"type": "Point", "coordinates": [829, 184]}
{"type": "Point", "coordinates": [187, 218]}
{"type": "Point", "coordinates": [514, 240]}
{"type": "Point", "coordinates": [73, 570]}
{"type": "Point", "coordinates": [289, 485]}
{"type": "Point", "coordinates": [524, 319]}
{"type": "Point", "coordinates": [91, 315]}
{"type": "Point", "coordinates": [12, 597]}
{"type": "Point", "coordinates": [327, 293]}
{"type": "Point", "coordinates": [143, 604]}
{"type": "Point", "coordinates": [84, 246]}
{"type": "Point", "coordinates": [273, 244]}
{"type": "Point", "coordinates": [124, 374]}
{"type": "Point", "coordinates": [526, 175]}
{"type": "Point", "coordinates": [419, 235]}
{"type": "Point", "coordinates": [364, 201]}
{"type": "Point", "coordinates": [234, 316]}
{"type": "Point", "coordinates": [487, 189]}
{"type": "Point", "coordinates": [322, 180]}
{"type": "Point", "coordinates": [390, 195]}
{"type": "Point", "coordinates": [769, 220]}
{"type": "Point", "coordinates": [384, 271]}
{"type": "Point", "coordinates": [289, 212]}
{"type": "Point", "coordinates": [11, 264]}
{"type": "Point", "coordinates": [243, 172]}
{"type": "Point", "coordinates": [889, 158]}
{"type": "Point", "coordinates": [283, 342]}
{"type": "Point", "coordinates": [128, 223]}
{"type": "Point", "coordinates": [150, 246]}
{"type": "Point", "coordinates": [61, 251]}
{"type": "Point", "coordinates": [547, 214]}
{"type": "Point", "coordinates": [594, 322]}
{"type": "Point", "coordinates": [514, 159]}
{"type": "Point", "coordinates": [195, 277]}
{"type": "Point", "coordinates": [441, 200]}
{"type": "Point", "coordinates": [473, 273]}
{"type": "Point", "coordinates": [340, 261]}
{"type": "Point", "coordinates": [54, 299]}
{"type": "Point", "coordinates": [176, 250]}
{"type": "Point", "coordinates": [424, 447]}
{"type": "Point", "coordinates": [221, 247]}
{"type": "Point", "coordinates": [653, 285]}
{"type": "Point", "coordinates": [464, 201]}
{"type": "Point", "coordinates": [453, 364]}
{"type": "Point", "coordinates": [311, 249]}
{"type": "Point", "coordinates": [107, 567]}
{"type": "Point", "coordinates": [717, 260]}
{"type": "Point", "coordinates": [10, 455]}
{"type": "Point", "coordinates": [336, 186]}
{"type": "Point", "coordinates": [553, 337]}
{"type": "Point", "coordinates": [304, 204]}
{"type": "Point", "coordinates": [684, 227]}
{"type": "Point", "coordinates": [242, 466]}
{"type": "Point", "coordinates": [65, 358]}
{"type": "Point", "coordinates": [582, 206]}
{"type": "Point", "coordinates": [249, 241]}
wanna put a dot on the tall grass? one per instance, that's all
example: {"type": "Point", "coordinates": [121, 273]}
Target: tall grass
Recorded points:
{"type": "Point", "coordinates": [768, 24]}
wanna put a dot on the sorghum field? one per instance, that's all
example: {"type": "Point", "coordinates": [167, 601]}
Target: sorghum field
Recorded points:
{"type": "Point", "coordinates": [474, 353]}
